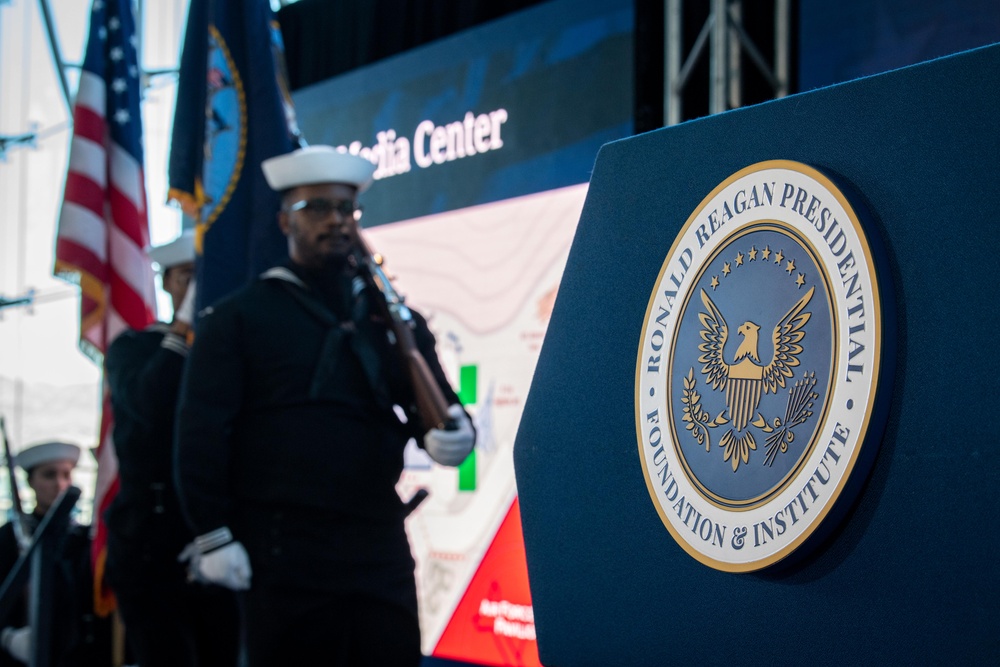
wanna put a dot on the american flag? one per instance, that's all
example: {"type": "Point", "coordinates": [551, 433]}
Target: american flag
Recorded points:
{"type": "Point", "coordinates": [103, 227]}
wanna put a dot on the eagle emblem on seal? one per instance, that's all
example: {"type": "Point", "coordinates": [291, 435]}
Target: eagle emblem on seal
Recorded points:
{"type": "Point", "coordinates": [745, 379]}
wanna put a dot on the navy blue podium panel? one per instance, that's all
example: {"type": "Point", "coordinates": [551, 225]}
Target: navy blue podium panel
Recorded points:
{"type": "Point", "coordinates": [903, 566]}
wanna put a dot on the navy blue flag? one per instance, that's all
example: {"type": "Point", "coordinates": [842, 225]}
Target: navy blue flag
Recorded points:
{"type": "Point", "coordinates": [233, 111]}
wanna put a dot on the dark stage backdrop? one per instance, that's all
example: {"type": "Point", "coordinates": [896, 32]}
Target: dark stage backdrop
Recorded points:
{"type": "Point", "coordinates": [324, 38]}
{"type": "Point", "coordinates": [840, 41]}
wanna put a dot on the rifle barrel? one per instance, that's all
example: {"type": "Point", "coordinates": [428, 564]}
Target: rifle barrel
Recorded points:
{"type": "Point", "coordinates": [20, 530]}
{"type": "Point", "coordinates": [431, 403]}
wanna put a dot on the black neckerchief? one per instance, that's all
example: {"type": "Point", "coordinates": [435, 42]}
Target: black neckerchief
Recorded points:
{"type": "Point", "coordinates": [331, 296]}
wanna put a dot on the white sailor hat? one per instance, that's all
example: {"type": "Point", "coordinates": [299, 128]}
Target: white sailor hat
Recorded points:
{"type": "Point", "coordinates": [317, 164]}
{"type": "Point", "coordinates": [47, 452]}
{"type": "Point", "coordinates": [178, 251]}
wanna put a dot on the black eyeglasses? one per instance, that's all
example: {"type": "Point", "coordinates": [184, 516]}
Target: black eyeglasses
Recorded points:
{"type": "Point", "coordinates": [319, 209]}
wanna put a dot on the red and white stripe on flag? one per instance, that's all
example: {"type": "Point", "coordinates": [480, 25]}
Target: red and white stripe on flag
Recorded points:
{"type": "Point", "coordinates": [103, 228]}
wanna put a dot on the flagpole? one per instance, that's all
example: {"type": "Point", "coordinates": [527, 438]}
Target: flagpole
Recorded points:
{"type": "Point", "coordinates": [56, 54]}
{"type": "Point", "coordinates": [140, 44]}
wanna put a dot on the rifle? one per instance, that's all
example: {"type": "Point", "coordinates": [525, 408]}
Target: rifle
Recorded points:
{"type": "Point", "coordinates": [431, 403]}
{"type": "Point", "coordinates": [20, 530]}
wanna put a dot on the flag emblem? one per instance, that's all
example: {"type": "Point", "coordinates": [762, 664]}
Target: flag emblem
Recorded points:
{"type": "Point", "coordinates": [225, 129]}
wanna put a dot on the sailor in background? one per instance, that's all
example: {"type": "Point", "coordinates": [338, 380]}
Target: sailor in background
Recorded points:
{"type": "Point", "coordinates": [288, 445]}
{"type": "Point", "coordinates": [79, 637]}
{"type": "Point", "coordinates": [168, 619]}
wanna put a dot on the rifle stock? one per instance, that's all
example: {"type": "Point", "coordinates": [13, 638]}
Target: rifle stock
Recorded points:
{"type": "Point", "coordinates": [431, 403]}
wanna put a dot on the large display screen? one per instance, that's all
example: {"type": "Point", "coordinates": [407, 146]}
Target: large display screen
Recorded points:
{"type": "Point", "coordinates": [484, 144]}
{"type": "Point", "coordinates": [516, 106]}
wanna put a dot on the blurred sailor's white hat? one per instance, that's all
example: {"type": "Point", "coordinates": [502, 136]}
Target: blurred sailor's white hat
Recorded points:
{"type": "Point", "coordinates": [47, 452]}
{"type": "Point", "coordinates": [178, 251]}
{"type": "Point", "coordinates": [317, 164]}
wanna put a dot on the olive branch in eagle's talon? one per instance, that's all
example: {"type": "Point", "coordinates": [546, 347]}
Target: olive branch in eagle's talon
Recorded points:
{"type": "Point", "coordinates": [698, 420]}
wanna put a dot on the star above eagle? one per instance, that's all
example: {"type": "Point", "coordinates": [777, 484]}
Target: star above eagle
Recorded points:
{"type": "Point", "coordinates": [745, 380]}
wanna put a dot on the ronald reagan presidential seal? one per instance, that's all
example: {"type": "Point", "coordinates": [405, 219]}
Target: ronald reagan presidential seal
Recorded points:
{"type": "Point", "coordinates": [758, 408]}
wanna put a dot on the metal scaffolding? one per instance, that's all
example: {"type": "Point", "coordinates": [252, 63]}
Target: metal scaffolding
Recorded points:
{"type": "Point", "coordinates": [29, 138]}
{"type": "Point", "coordinates": [726, 42]}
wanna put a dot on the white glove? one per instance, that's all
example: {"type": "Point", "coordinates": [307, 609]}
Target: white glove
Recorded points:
{"type": "Point", "coordinates": [185, 311]}
{"type": "Point", "coordinates": [450, 447]}
{"type": "Point", "coordinates": [191, 555]}
{"type": "Point", "coordinates": [226, 565]}
{"type": "Point", "coordinates": [17, 641]}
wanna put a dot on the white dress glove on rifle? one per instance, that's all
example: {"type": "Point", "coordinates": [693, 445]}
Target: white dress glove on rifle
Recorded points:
{"type": "Point", "coordinates": [17, 642]}
{"type": "Point", "coordinates": [222, 561]}
{"type": "Point", "coordinates": [450, 447]}
{"type": "Point", "coordinates": [185, 311]}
